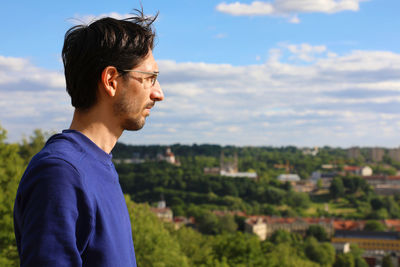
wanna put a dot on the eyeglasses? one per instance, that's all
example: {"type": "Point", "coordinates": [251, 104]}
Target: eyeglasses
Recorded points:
{"type": "Point", "coordinates": [153, 77]}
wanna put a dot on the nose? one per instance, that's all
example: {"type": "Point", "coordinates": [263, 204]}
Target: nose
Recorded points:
{"type": "Point", "coordinates": [157, 93]}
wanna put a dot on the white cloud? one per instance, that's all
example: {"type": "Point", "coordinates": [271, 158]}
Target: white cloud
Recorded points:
{"type": "Point", "coordinates": [305, 52]}
{"type": "Point", "coordinates": [288, 8]}
{"type": "Point", "coordinates": [328, 100]}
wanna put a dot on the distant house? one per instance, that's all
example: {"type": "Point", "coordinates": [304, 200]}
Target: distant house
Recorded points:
{"type": "Point", "coordinates": [356, 170]}
{"type": "Point", "coordinates": [340, 225]}
{"type": "Point", "coordinates": [392, 224]}
{"type": "Point", "coordinates": [288, 178]}
{"type": "Point", "coordinates": [229, 169]}
{"type": "Point", "coordinates": [168, 157]}
{"type": "Point", "coordinates": [341, 247]}
{"type": "Point", "coordinates": [325, 176]}
{"type": "Point", "coordinates": [383, 184]}
{"type": "Point", "coordinates": [308, 151]}
{"type": "Point", "coordinates": [394, 154]}
{"type": "Point", "coordinates": [265, 226]}
{"type": "Point", "coordinates": [251, 175]}
{"type": "Point", "coordinates": [162, 211]}
{"type": "Point", "coordinates": [370, 241]}
{"type": "Point", "coordinates": [180, 221]}
{"type": "Point", "coordinates": [304, 186]}
{"type": "Point", "coordinates": [376, 154]}
{"type": "Point", "coordinates": [257, 225]}
{"type": "Point", "coordinates": [353, 152]}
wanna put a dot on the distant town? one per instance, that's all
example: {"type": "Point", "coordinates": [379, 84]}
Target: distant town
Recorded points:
{"type": "Point", "coordinates": [351, 195]}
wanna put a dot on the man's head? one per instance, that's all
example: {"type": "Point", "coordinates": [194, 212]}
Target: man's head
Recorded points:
{"type": "Point", "coordinates": [89, 49]}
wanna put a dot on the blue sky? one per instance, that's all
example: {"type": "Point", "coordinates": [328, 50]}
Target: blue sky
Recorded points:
{"type": "Point", "coordinates": [277, 72]}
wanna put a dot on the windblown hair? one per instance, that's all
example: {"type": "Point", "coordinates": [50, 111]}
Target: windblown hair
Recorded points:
{"type": "Point", "coordinates": [89, 49]}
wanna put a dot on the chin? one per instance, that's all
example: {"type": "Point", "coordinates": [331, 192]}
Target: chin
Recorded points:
{"type": "Point", "coordinates": [133, 124]}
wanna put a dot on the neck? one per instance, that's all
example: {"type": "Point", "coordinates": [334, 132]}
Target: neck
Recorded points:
{"type": "Point", "coordinates": [96, 125]}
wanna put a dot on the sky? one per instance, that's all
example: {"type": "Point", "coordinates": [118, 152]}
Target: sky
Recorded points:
{"type": "Point", "coordinates": [246, 73]}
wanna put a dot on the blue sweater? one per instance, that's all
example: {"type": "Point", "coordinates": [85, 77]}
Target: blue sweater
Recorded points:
{"type": "Point", "coordinates": [70, 210]}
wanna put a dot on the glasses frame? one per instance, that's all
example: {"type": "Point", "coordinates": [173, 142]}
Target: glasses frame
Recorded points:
{"type": "Point", "coordinates": [154, 74]}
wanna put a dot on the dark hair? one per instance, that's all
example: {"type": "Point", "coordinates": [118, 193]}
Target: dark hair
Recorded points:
{"type": "Point", "coordinates": [89, 49]}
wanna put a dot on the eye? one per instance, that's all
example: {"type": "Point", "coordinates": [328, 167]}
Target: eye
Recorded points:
{"type": "Point", "coordinates": [153, 80]}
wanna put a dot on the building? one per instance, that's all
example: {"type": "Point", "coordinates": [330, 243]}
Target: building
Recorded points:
{"type": "Point", "coordinates": [341, 247]}
{"type": "Point", "coordinates": [353, 153]}
{"type": "Point", "coordinates": [370, 241]}
{"type": "Point", "coordinates": [163, 212]}
{"type": "Point", "coordinates": [169, 157]}
{"type": "Point", "coordinates": [347, 225]}
{"type": "Point", "coordinates": [356, 170]}
{"type": "Point", "coordinates": [265, 226]}
{"type": "Point", "coordinates": [377, 154]}
{"type": "Point", "coordinates": [288, 178]}
{"type": "Point", "coordinates": [180, 221]}
{"type": "Point", "coordinates": [251, 175]}
{"type": "Point", "coordinates": [308, 151]}
{"type": "Point", "coordinates": [229, 168]}
{"type": "Point", "coordinates": [383, 184]}
{"type": "Point", "coordinates": [325, 177]}
{"type": "Point", "coordinates": [392, 224]}
{"type": "Point", "coordinates": [257, 225]}
{"type": "Point", "coordinates": [394, 154]}
{"type": "Point", "coordinates": [304, 186]}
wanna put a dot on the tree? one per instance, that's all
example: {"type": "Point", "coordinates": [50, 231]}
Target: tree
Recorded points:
{"type": "Point", "coordinates": [11, 170]}
{"type": "Point", "coordinates": [298, 199]}
{"type": "Point", "coordinates": [284, 255]}
{"type": "Point", "coordinates": [337, 188]}
{"type": "Point", "coordinates": [318, 232]}
{"type": "Point", "coordinates": [374, 226]}
{"type": "Point", "coordinates": [195, 246]}
{"type": "Point", "coordinates": [344, 260]}
{"type": "Point", "coordinates": [322, 253]}
{"type": "Point", "coordinates": [238, 249]}
{"type": "Point", "coordinates": [227, 224]}
{"type": "Point", "coordinates": [29, 148]}
{"type": "Point", "coordinates": [387, 261]}
{"type": "Point", "coordinates": [357, 253]}
{"type": "Point", "coordinates": [207, 223]}
{"type": "Point", "coordinates": [154, 245]}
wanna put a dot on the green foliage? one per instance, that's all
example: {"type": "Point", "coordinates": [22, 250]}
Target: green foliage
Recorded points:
{"type": "Point", "coordinates": [344, 260]}
{"type": "Point", "coordinates": [281, 236]}
{"type": "Point", "coordinates": [154, 245]}
{"type": "Point", "coordinates": [195, 246]}
{"type": "Point", "coordinates": [29, 148]}
{"type": "Point", "coordinates": [322, 253]}
{"type": "Point", "coordinates": [337, 188]}
{"type": "Point", "coordinates": [318, 232]}
{"type": "Point", "coordinates": [357, 253]}
{"type": "Point", "coordinates": [374, 226]}
{"type": "Point", "coordinates": [298, 200]}
{"type": "Point", "coordinates": [387, 261]}
{"type": "Point", "coordinates": [238, 249]}
{"type": "Point", "coordinates": [285, 255]}
{"type": "Point", "coordinates": [11, 169]}
{"type": "Point", "coordinates": [211, 224]}
{"type": "Point", "coordinates": [189, 192]}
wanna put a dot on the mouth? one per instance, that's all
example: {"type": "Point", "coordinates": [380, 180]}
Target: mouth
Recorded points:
{"type": "Point", "coordinates": [148, 107]}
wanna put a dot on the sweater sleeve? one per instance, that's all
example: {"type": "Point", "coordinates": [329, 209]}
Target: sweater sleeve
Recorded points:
{"type": "Point", "coordinates": [53, 217]}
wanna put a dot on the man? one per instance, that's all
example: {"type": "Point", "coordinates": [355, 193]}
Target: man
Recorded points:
{"type": "Point", "coordinates": [70, 210]}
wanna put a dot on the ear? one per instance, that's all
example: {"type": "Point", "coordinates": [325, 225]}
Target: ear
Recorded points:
{"type": "Point", "coordinates": [109, 80]}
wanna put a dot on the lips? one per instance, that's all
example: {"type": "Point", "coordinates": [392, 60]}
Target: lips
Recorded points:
{"type": "Point", "coordinates": [149, 106]}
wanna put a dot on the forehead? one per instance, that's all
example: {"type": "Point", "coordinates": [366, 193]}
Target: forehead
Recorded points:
{"type": "Point", "coordinates": [148, 64]}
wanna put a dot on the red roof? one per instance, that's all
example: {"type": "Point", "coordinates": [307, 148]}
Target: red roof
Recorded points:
{"type": "Point", "coordinates": [348, 225]}
{"type": "Point", "coordinates": [351, 168]}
